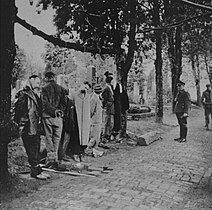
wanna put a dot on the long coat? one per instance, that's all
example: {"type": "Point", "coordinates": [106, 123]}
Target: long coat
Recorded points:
{"type": "Point", "coordinates": [70, 130]}
{"type": "Point", "coordinates": [82, 104]}
{"type": "Point", "coordinates": [182, 102]}
{"type": "Point", "coordinates": [108, 100]}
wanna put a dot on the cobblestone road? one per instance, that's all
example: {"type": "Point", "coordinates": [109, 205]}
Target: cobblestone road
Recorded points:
{"type": "Point", "coordinates": [164, 175]}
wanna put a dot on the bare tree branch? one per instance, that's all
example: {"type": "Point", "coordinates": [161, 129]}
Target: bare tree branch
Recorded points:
{"type": "Point", "coordinates": [200, 6]}
{"type": "Point", "coordinates": [59, 42]}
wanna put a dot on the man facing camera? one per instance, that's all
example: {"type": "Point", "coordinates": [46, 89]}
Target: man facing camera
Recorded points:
{"type": "Point", "coordinates": [28, 116]}
{"type": "Point", "coordinates": [181, 110]}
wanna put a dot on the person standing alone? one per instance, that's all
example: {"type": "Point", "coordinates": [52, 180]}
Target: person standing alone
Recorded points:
{"type": "Point", "coordinates": [207, 104]}
{"type": "Point", "coordinates": [181, 110]}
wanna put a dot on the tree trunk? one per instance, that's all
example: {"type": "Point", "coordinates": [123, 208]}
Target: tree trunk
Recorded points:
{"type": "Point", "coordinates": [159, 79]}
{"type": "Point", "coordinates": [124, 113]}
{"type": "Point", "coordinates": [207, 69]}
{"type": "Point", "coordinates": [122, 74]}
{"type": "Point", "coordinates": [175, 58]}
{"type": "Point", "coordinates": [196, 73]}
{"type": "Point", "coordinates": [158, 65]}
{"type": "Point", "coordinates": [6, 62]}
{"type": "Point", "coordinates": [124, 61]}
{"type": "Point", "coordinates": [198, 82]}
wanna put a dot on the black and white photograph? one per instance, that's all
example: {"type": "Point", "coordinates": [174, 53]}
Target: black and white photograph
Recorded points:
{"type": "Point", "coordinates": [105, 104]}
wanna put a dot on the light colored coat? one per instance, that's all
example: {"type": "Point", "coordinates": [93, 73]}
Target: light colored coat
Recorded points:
{"type": "Point", "coordinates": [82, 104]}
{"type": "Point", "coordinates": [96, 109]}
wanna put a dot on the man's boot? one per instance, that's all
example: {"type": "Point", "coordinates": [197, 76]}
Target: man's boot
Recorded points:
{"type": "Point", "coordinates": [177, 139]}
{"type": "Point", "coordinates": [36, 172]}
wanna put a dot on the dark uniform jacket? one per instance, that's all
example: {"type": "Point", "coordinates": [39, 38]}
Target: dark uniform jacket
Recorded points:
{"type": "Point", "coordinates": [206, 99]}
{"type": "Point", "coordinates": [53, 98]}
{"type": "Point", "coordinates": [108, 100]}
{"type": "Point", "coordinates": [182, 102]}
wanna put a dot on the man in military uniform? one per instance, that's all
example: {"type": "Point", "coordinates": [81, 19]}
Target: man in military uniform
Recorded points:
{"type": "Point", "coordinates": [207, 104]}
{"type": "Point", "coordinates": [181, 110]}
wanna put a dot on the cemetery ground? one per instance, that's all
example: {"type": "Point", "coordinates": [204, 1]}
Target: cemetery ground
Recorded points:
{"type": "Point", "coordinates": [164, 175]}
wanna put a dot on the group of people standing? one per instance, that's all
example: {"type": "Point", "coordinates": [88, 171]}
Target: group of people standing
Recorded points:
{"type": "Point", "coordinates": [73, 123]}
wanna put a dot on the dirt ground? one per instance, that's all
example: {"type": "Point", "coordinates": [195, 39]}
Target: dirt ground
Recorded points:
{"type": "Point", "coordinates": [18, 163]}
{"type": "Point", "coordinates": [20, 188]}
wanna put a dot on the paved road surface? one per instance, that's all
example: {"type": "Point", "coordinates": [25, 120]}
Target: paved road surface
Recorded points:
{"type": "Point", "coordinates": [164, 175]}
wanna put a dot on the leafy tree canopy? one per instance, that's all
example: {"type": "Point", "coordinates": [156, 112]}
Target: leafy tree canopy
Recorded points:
{"type": "Point", "coordinates": [99, 23]}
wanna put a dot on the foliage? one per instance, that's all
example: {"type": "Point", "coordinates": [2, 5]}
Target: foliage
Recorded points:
{"type": "Point", "coordinates": [65, 61]}
{"type": "Point", "coordinates": [105, 26]}
{"type": "Point", "coordinates": [113, 25]}
{"type": "Point", "coordinates": [197, 34]}
{"type": "Point", "coordinates": [19, 68]}
{"type": "Point", "coordinates": [136, 74]}
{"type": "Point", "coordinates": [59, 59]}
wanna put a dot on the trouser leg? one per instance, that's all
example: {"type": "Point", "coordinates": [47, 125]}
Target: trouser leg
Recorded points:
{"type": "Point", "coordinates": [207, 113]}
{"type": "Point", "coordinates": [107, 125]}
{"type": "Point", "coordinates": [109, 121]}
{"type": "Point", "coordinates": [61, 151]}
{"type": "Point", "coordinates": [183, 128]}
{"type": "Point", "coordinates": [182, 121]}
{"type": "Point", "coordinates": [48, 128]}
{"type": "Point", "coordinates": [96, 133]}
{"type": "Point", "coordinates": [179, 122]}
{"type": "Point", "coordinates": [32, 147]}
{"type": "Point", "coordinates": [63, 145]}
{"type": "Point", "coordinates": [57, 132]}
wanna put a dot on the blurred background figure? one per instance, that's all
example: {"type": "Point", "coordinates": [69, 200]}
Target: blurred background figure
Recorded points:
{"type": "Point", "coordinates": [207, 105]}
